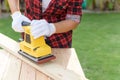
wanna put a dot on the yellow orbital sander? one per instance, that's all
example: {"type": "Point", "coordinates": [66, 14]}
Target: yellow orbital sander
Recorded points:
{"type": "Point", "coordinates": [35, 49]}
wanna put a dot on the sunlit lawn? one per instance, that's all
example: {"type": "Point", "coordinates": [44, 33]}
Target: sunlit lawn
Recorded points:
{"type": "Point", "coordinates": [97, 42]}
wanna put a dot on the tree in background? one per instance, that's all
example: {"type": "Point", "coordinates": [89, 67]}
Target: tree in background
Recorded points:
{"type": "Point", "coordinates": [94, 4]}
{"type": "Point", "coordinates": [1, 3]}
{"type": "Point", "coordinates": [87, 4]}
{"type": "Point", "coordinates": [4, 7]}
{"type": "Point", "coordinates": [22, 5]}
{"type": "Point", "coordinates": [117, 4]}
{"type": "Point", "coordinates": [103, 4]}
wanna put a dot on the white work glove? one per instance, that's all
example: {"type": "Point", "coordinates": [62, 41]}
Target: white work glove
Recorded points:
{"type": "Point", "coordinates": [42, 28]}
{"type": "Point", "coordinates": [17, 20]}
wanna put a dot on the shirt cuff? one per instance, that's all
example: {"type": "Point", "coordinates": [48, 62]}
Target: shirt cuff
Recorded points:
{"type": "Point", "coordinates": [75, 18]}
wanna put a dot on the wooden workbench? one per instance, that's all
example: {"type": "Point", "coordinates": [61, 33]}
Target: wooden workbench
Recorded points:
{"type": "Point", "coordinates": [13, 66]}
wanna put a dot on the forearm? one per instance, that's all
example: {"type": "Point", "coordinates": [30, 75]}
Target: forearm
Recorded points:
{"type": "Point", "coordinates": [14, 5]}
{"type": "Point", "coordinates": [65, 26]}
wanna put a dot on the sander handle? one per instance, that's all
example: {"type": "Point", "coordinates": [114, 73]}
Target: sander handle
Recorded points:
{"type": "Point", "coordinates": [24, 23]}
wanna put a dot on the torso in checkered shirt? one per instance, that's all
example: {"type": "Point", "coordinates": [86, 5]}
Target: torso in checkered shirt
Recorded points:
{"type": "Point", "coordinates": [56, 11]}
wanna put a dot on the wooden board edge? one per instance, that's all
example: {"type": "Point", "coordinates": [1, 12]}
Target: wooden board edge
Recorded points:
{"type": "Point", "coordinates": [53, 70]}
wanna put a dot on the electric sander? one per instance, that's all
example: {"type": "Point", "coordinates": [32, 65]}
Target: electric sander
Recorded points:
{"type": "Point", "coordinates": [35, 49]}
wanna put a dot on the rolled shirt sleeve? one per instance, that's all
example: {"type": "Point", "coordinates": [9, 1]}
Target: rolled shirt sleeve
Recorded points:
{"type": "Point", "coordinates": [74, 11]}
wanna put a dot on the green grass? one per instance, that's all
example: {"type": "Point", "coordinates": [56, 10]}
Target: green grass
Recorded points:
{"type": "Point", "coordinates": [5, 28]}
{"type": "Point", "coordinates": [97, 43]}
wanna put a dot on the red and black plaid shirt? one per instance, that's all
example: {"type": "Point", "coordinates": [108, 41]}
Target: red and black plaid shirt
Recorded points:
{"type": "Point", "coordinates": [56, 11]}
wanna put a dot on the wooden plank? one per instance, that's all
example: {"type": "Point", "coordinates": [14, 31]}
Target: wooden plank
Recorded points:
{"type": "Point", "coordinates": [27, 72]}
{"type": "Point", "coordinates": [53, 70]}
{"type": "Point", "coordinates": [4, 57]}
{"type": "Point", "coordinates": [41, 76]}
{"type": "Point", "coordinates": [12, 69]}
{"type": "Point", "coordinates": [69, 60]}
{"type": "Point", "coordinates": [73, 61]}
